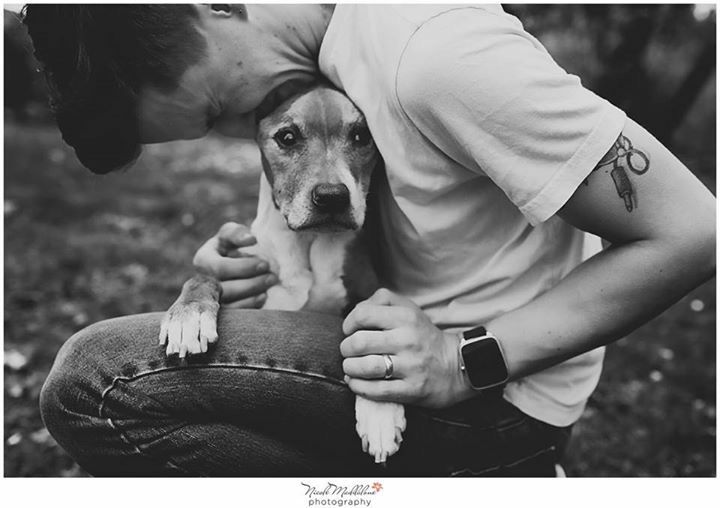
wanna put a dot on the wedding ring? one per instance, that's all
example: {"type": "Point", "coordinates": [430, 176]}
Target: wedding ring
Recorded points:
{"type": "Point", "coordinates": [389, 367]}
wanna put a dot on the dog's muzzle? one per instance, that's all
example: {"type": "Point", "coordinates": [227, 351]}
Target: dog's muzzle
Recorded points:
{"type": "Point", "coordinates": [331, 198]}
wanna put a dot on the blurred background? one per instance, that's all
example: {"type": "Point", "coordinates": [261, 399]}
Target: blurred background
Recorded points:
{"type": "Point", "coordinates": [80, 248]}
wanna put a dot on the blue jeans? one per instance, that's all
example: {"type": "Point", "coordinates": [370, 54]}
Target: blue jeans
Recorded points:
{"type": "Point", "coordinates": [267, 400]}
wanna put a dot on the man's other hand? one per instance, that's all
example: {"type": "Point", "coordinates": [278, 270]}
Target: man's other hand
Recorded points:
{"type": "Point", "coordinates": [244, 278]}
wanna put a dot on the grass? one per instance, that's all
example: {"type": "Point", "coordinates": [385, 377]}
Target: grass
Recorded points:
{"type": "Point", "coordinates": [81, 248]}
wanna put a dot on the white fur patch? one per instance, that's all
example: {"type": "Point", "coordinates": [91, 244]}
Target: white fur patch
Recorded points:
{"type": "Point", "coordinates": [380, 426]}
{"type": "Point", "coordinates": [309, 265]}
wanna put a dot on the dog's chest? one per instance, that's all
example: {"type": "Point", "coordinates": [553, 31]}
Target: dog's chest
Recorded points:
{"type": "Point", "coordinates": [326, 257]}
{"type": "Point", "coordinates": [310, 268]}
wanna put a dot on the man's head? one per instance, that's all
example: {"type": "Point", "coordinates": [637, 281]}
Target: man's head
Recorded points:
{"type": "Point", "coordinates": [97, 59]}
{"type": "Point", "coordinates": [125, 75]}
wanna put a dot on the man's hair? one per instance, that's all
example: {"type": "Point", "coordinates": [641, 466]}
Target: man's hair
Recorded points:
{"type": "Point", "coordinates": [96, 58]}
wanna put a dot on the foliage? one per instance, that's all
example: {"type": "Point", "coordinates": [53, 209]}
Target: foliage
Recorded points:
{"type": "Point", "coordinates": [81, 248]}
{"type": "Point", "coordinates": [653, 61]}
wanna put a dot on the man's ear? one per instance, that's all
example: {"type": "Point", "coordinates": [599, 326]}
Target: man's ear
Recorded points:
{"type": "Point", "coordinates": [227, 10]}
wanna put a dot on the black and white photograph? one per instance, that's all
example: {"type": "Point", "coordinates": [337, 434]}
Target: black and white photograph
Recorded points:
{"type": "Point", "coordinates": [359, 241]}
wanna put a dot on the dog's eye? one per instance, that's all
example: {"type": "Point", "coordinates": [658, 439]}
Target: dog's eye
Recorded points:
{"type": "Point", "coordinates": [285, 138]}
{"type": "Point", "coordinates": [361, 136]}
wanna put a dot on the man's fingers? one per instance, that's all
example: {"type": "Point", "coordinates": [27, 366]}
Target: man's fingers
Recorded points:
{"type": "Point", "coordinates": [370, 342]}
{"type": "Point", "coordinates": [372, 367]}
{"type": "Point", "coordinates": [254, 302]}
{"type": "Point", "coordinates": [210, 256]}
{"type": "Point", "coordinates": [235, 290]}
{"type": "Point", "coordinates": [386, 297]}
{"type": "Point", "coordinates": [393, 390]}
{"type": "Point", "coordinates": [239, 253]}
{"type": "Point", "coordinates": [225, 268]}
{"type": "Point", "coordinates": [367, 315]}
{"type": "Point", "coordinates": [233, 235]}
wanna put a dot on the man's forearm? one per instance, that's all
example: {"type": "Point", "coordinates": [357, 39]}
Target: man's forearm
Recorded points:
{"type": "Point", "coordinates": [661, 222]}
{"type": "Point", "coordinates": [602, 300]}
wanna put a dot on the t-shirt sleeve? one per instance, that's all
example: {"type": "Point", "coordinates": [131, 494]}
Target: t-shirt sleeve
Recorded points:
{"type": "Point", "coordinates": [489, 96]}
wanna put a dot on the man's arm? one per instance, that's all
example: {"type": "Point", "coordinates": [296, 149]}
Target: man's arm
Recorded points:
{"type": "Point", "coordinates": [492, 100]}
{"type": "Point", "coordinates": [660, 222]}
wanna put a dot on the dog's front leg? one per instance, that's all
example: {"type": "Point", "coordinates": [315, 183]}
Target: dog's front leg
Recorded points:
{"type": "Point", "coordinates": [290, 253]}
{"type": "Point", "coordinates": [190, 324]}
{"type": "Point", "coordinates": [294, 278]}
{"type": "Point", "coordinates": [291, 293]}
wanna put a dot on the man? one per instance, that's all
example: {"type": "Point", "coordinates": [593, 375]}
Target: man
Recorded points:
{"type": "Point", "coordinates": [497, 161]}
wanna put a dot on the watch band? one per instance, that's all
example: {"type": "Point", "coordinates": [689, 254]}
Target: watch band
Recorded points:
{"type": "Point", "coordinates": [472, 333]}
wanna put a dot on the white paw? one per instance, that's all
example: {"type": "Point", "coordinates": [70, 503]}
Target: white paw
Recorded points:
{"type": "Point", "coordinates": [380, 426]}
{"type": "Point", "coordinates": [188, 328]}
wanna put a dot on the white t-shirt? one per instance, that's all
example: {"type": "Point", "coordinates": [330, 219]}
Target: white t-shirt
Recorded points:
{"type": "Point", "coordinates": [484, 139]}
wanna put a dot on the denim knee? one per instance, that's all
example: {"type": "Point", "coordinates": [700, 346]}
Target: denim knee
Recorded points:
{"type": "Point", "coordinates": [71, 394]}
{"type": "Point", "coordinates": [60, 395]}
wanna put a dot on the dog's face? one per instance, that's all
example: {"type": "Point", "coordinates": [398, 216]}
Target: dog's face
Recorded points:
{"type": "Point", "coordinates": [318, 156]}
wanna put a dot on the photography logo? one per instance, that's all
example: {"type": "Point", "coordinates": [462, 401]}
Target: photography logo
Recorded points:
{"type": "Point", "coordinates": [333, 494]}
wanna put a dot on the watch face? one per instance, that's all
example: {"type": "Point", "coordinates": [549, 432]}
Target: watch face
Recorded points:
{"type": "Point", "coordinates": [484, 363]}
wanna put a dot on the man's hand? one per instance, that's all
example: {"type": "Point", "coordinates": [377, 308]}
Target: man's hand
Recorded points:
{"type": "Point", "coordinates": [426, 366]}
{"type": "Point", "coordinates": [244, 278]}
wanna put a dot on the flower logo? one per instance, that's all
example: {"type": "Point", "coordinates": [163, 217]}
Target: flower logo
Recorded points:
{"type": "Point", "coordinates": [377, 486]}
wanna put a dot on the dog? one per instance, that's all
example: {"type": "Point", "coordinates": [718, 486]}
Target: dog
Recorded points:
{"type": "Point", "coordinates": [318, 160]}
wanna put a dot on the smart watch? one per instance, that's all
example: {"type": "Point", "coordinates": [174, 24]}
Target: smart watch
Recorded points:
{"type": "Point", "coordinates": [482, 359]}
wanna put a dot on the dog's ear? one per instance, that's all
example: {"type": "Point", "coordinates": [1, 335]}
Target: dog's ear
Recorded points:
{"type": "Point", "coordinates": [282, 94]}
{"type": "Point", "coordinates": [360, 269]}
{"type": "Point", "coordinates": [270, 178]}
{"type": "Point", "coordinates": [266, 168]}
{"type": "Point", "coordinates": [372, 227]}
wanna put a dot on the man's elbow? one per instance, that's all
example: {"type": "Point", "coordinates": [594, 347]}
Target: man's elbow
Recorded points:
{"type": "Point", "coordinates": [708, 236]}
{"type": "Point", "coordinates": [699, 240]}
{"type": "Point", "coordinates": [707, 244]}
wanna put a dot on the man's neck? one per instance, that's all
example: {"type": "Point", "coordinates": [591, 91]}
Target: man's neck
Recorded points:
{"type": "Point", "coordinates": [326, 12]}
{"type": "Point", "coordinates": [300, 27]}
{"type": "Point", "coordinates": [312, 28]}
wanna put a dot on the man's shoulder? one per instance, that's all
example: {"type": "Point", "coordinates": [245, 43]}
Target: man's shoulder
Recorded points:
{"type": "Point", "coordinates": [413, 16]}
{"type": "Point", "coordinates": [418, 15]}
{"type": "Point", "coordinates": [466, 49]}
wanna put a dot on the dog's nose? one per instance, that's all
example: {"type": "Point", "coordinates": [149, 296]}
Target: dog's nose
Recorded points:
{"type": "Point", "coordinates": [331, 198]}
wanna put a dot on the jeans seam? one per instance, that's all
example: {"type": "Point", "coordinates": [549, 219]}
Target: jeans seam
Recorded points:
{"type": "Point", "coordinates": [284, 370]}
{"type": "Point", "coordinates": [512, 464]}
{"type": "Point", "coordinates": [139, 375]}
{"type": "Point", "coordinates": [500, 427]}
{"type": "Point", "coordinates": [456, 424]}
